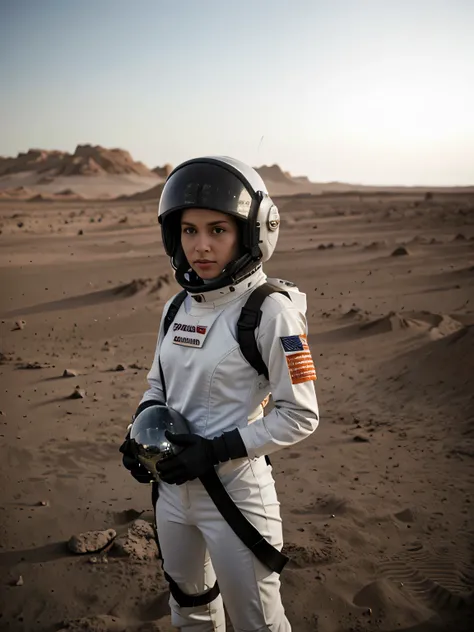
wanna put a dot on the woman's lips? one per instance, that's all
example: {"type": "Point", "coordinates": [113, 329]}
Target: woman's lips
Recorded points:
{"type": "Point", "coordinates": [204, 264]}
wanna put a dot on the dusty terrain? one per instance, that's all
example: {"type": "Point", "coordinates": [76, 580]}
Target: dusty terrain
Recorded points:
{"type": "Point", "coordinates": [377, 504]}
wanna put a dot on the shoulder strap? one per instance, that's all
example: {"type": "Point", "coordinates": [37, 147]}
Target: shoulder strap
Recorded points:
{"type": "Point", "coordinates": [173, 310]}
{"type": "Point", "coordinates": [169, 317]}
{"type": "Point", "coordinates": [249, 320]}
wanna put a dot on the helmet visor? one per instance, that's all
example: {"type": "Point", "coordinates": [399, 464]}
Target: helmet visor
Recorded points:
{"type": "Point", "coordinates": [206, 185]}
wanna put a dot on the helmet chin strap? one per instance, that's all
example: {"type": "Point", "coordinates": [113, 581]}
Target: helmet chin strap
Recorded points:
{"type": "Point", "coordinates": [233, 273]}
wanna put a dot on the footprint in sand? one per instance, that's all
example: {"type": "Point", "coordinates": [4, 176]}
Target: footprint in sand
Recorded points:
{"type": "Point", "coordinates": [329, 505]}
{"type": "Point", "coordinates": [442, 578]}
{"type": "Point", "coordinates": [323, 550]}
{"type": "Point", "coordinates": [107, 623]}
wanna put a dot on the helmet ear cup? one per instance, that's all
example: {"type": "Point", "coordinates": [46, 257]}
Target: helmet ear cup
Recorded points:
{"type": "Point", "coordinates": [268, 222]}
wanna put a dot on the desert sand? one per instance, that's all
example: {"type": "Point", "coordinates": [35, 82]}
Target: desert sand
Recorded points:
{"type": "Point", "coordinates": [377, 504]}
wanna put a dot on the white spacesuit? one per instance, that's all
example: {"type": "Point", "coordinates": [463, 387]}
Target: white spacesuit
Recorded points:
{"type": "Point", "coordinates": [209, 381]}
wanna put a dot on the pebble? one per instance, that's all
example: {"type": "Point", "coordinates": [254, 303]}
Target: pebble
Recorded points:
{"type": "Point", "coordinates": [78, 393]}
{"type": "Point", "coordinates": [69, 373]}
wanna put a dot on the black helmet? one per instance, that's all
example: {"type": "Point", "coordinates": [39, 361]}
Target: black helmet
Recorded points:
{"type": "Point", "coordinates": [147, 435]}
{"type": "Point", "coordinates": [229, 186]}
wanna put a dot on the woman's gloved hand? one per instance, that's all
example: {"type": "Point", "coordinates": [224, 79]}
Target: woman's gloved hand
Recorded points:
{"type": "Point", "coordinates": [129, 459]}
{"type": "Point", "coordinates": [199, 455]}
{"type": "Point", "coordinates": [132, 464]}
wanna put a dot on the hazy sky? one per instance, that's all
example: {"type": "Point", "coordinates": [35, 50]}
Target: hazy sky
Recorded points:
{"type": "Point", "coordinates": [365, 91]}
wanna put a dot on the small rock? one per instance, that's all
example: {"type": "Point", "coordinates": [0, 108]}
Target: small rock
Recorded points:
{"type": "Point", "coordinates": [20, 224]}
{"type": "Point", "coordinates": [120, 367]}
{"type": "Point", "coordinates": [361, 438]}
{"type": "Point", "coordinates": [135, 366]}
{"type": "Point", "coordinates": [69, 373]}
{"type": "Point", "coordinates": [19, 324]}
{"type": "Point", "coordinates": [19, 581]}
{"type": "Point", "coordinates": [139, 543]}
{"type": "Point", "coordinates": [78, 393]}
{"type": "Point", "coordinates": [124, 220]}
{"type": "Point", "coordinates": [80, 232]}
{"type": "Point", "coordinates": [91, 541]}
{"type": "Point", "coordinates": [459, 237]}
{"type": "Point", "coordinates": [400, 251]}
{"type": "Point", "coordinates": [32, 365]}
{"type": "Point", "coordinates": [43, 503]}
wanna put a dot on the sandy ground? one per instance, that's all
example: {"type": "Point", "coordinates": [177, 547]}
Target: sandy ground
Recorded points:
{"type": "Point", "coordinates": [377, 504]}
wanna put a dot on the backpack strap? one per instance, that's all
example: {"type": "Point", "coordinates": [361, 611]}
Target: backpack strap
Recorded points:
{"type": "Point", "coordinates": [249, 320]}
{"type": "Point", "coordinates": [173, 310]}
{"type": "Point", "coordinates": [170, 316]}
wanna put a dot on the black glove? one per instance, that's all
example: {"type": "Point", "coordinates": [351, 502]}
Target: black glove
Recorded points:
{"type": "Point", "coordinates": [133, 465]}
{"type": "Point", "coordinates": [129, 459]}
{"type": "Point", "coordinates": [199, 455]}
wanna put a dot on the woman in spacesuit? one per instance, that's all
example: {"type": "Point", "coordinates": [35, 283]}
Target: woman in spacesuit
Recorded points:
{"type": "Point", "coordinates": [218, 226]}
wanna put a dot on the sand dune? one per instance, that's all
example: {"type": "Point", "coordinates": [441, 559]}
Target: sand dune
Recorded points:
{"type": "Point", "coordinates": [152, 194]}
{"type": "Point", "coordinates": [377, 504]}
{"type": "Point", "coordinates": [438, 325]}
{"type": "Point", "coordinates": [443, 368]}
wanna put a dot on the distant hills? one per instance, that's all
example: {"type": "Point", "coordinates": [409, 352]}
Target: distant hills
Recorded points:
{"type": "Point", "coordinates": [94, 172]}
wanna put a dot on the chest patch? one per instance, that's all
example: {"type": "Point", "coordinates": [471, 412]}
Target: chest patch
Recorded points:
{"type": "Point", "coordinates": [190, 331]}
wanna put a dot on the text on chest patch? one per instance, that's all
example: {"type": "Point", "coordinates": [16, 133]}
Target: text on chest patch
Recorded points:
{"type": "Point", "coordinates": [192, 329]}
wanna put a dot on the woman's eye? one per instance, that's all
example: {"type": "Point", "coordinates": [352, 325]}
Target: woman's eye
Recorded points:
{"type": "Point", "coordinates": [187, 230]}
{"type": "Point", "coordinates": [219, 230]}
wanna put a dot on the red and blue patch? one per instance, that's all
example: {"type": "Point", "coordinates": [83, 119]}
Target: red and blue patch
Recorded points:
{"type": "Point", "coordinates": [298, 358]}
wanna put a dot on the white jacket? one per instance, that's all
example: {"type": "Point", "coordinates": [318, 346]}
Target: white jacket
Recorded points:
{"type": "Point", "coordinates": [209, 381]}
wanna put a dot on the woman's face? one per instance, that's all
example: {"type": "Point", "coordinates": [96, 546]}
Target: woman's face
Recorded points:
{"type": "Point", "coordinates": [210, 240]}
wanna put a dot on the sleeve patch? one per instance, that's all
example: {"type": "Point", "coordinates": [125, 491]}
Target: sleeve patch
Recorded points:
{"type": "Point", "coordinates": [298, 358]}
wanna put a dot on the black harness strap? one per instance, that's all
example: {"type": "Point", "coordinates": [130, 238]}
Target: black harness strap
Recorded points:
{"type": "Point", "coordinates": [249, 319]}
{"type": "Point", "coordinates": [169, 318]}
{"type": "Point", "coordinates": [182, 598]}
{"type": "Point", "coordinates": [173, 310]}
{"type": "Point", "coordinates": [271, 557]}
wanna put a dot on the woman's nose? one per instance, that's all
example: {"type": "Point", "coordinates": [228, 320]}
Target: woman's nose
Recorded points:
{"type": "Point", "coordinates": [202, 244]}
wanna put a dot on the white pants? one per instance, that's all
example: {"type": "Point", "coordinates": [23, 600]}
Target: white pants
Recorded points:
{"type": "Point", "coordinates": [197, 544]}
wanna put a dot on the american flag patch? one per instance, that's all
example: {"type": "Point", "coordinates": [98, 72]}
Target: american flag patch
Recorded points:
{"type": "Point", "coordinates": [298, 358]}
